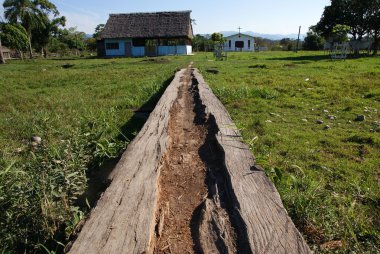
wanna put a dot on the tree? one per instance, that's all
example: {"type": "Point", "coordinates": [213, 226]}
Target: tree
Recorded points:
{"type": "Point", "coordinates": [98, 30]}
{"type": "Point", "coordinates": [31, 14]}
{"type": "Point", "coordinates": [91, 44]}
{"type": "Point", "coordinates": [313, 40]}
{"type": "Point", "coordinates": [72, 38]}
{"type": "Point", "coordinates": [42, 37]}
{"type": "Point", "coordinates": [287, 44]}
{"type": "Point", "coordinates": [339, 33]}
{"type": "Point", "coordinates": [374, 24]}
{"type": "Point", "coordinates": [217, 38]}
{"type": "Point", "coordinates": [361, 16]}
{"type": "Point", "coordinates": [14, 36]}
{"type": "Point", "coordinates": [56, 46]}
{"type": "Point", "coordinates": [201, 43]}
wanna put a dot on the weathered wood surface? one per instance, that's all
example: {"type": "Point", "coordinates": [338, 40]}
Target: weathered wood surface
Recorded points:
{"type": "Point", "coordinates": [123, 220]}
{"type": "Point", "coordinates": [269, 228]}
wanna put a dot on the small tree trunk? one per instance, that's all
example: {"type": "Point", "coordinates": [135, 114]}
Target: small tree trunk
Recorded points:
{"type": "Point", "coordinates": [21, 54]}
{"type": "Point", "coordinates": [30, 46]}
{"type": "Point", "coordinates": [2, 60]}
{"type": "Point", "coordinates": [376, 43]}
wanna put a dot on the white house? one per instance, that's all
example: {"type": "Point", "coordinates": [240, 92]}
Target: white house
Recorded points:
{"type": "Point", "coordinates": [239, 42]}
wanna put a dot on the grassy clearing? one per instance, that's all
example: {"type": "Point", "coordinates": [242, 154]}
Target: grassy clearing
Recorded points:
{"type": "Point", "coordinates": [328, 173]}
{"type": "Point", "coordinates": [83, 110]}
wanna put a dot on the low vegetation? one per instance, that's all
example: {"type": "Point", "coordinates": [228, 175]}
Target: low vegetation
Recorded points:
{"type": "Point", "coordinates": [61, 123]}
{"type": "Point", "coordinates": [312, 124]}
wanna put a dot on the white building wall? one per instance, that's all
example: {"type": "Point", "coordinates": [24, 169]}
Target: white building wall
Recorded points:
{"type": "Point", "coordinates": [230, 44]}
{"type": "Point", "coordinates": [174, 50]}
{"type": "Point", "coordinates": [189, 49]}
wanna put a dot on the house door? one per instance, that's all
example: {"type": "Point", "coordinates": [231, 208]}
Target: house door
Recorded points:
{"type": "Point", "coordinates": [239, 45]}
{"type": "Point", "coordinates": [151, 47]}
{"type": "Point", "coordinates": [128, 49]}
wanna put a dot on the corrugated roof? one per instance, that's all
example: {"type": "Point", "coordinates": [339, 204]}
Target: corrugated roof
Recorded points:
{"type": "Point", "coordinates": [148, 25]}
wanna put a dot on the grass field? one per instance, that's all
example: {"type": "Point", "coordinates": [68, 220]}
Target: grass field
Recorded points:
{"type": "Point", "coordinates": [327, 173]}
{"type": "Point", "coordinates": [83, 109]}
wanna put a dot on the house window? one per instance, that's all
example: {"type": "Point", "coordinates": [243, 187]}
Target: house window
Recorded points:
{"type": "Point", "coordinates": [229, 43]}
{"type": "Point", "coordinates": [139, 42]}
{"type": "Point", "coordinates": [239, 44]}
{"type": "Point", "coordinates": [249, 43]}
{"type": "Point", "coordinates": [112, 45]}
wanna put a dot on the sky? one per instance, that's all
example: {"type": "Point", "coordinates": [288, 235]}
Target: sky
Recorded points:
{"type": "Point", "coordinates": [261, 16]}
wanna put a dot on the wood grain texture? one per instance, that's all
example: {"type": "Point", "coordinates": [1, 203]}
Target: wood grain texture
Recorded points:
{"type": "Point", "coordinates": [268, 227]}
{"type": "Point", "coordinates": [123, 220]}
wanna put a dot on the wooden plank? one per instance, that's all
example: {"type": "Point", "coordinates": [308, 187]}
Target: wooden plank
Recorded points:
{"type": "Point", "coordinates": [123, 220]}
{"type": "Point", "coordinates": [268, 227]}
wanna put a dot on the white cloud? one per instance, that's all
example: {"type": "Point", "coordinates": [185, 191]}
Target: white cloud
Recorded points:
{"type": "Point", "coordinates": [76, 16]}
{"type": "Point", "coordinates": [1, 12]}
{"type": "Point", "coordinates": [85, 22]}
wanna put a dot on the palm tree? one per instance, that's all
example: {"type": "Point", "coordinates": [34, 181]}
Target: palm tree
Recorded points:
{"type": "Point", "coordinates": [26, 13]}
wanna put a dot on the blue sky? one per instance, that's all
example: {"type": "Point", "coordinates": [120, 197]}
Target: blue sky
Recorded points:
{"type": "Point", "coordinates": [261, 16]}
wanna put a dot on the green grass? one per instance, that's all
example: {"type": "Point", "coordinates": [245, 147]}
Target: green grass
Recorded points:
{"type": "Point", "coordinates": [328, 177]}
{"type": "Point", "coordinates": [84, 114]}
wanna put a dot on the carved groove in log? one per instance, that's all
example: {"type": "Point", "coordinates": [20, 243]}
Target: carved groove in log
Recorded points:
{"type": "Point", "coordinates": [242, 213]}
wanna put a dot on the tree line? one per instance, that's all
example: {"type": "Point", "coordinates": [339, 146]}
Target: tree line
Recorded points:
{"type": "Point", "coordinates": [358, 18]}
{"type": "Point", "coordinates": [207, 43]}
{"type": "Point", "coordinates": [340, 21]}
{"type": "Point", "coordinates": [37, 26]}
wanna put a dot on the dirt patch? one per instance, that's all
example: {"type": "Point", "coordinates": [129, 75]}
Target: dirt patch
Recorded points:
{"type": "Point", "coordinates": [193, 214]}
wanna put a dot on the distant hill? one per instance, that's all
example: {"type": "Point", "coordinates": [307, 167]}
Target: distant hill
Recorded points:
{"type": "Point", "coordinates": [274, 37]}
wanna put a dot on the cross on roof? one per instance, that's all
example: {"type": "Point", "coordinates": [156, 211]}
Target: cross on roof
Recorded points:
{"type": "Point", "coordinates": [239, 30]}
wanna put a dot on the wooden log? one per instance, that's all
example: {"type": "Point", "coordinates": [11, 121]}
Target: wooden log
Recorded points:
{"type": "Point", "coordinates": [268, 227]}
{"type": "Point", "coordinates": [123, 220]}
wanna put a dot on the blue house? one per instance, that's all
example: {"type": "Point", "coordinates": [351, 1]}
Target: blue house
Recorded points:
{"type": "Point", "coordinates": [146, 34]}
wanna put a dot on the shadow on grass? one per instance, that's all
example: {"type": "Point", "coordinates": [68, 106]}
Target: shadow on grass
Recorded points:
{"type": "Point", "coordinates": [99, 176]}
{"type": "Point", "coordinates": [69, 58]}
{"type": "Point", "coordinates": [303, 58]}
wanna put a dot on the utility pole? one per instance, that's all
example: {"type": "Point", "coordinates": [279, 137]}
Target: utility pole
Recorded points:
{"type": "Point", "coordinates": [298, 40]}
